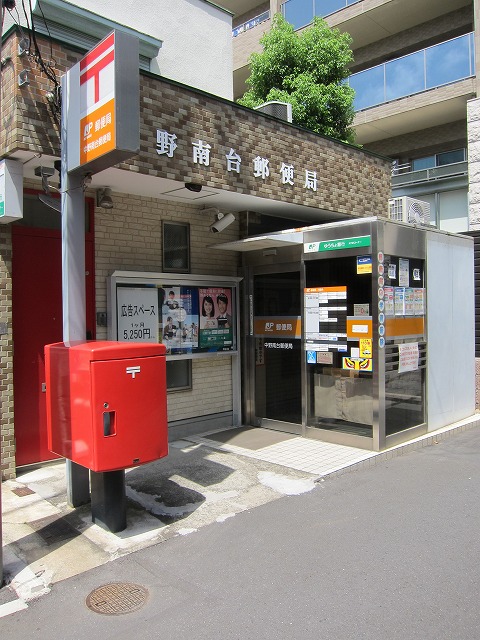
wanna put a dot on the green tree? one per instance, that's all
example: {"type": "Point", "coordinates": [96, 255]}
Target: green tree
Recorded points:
{"type": "Point", "coordinates": [308, 70]}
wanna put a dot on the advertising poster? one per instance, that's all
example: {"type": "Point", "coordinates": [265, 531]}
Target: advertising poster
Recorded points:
{"type": "Point", "coordinates": [215, 318]}
{"type": "Point", "coordinates": [179, 330]}
{"type": "Point", "coordinates": [137, 314]}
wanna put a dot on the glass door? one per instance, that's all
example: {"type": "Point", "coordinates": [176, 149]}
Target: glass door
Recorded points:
{"type": "Point", "coordinates": [275, 351]}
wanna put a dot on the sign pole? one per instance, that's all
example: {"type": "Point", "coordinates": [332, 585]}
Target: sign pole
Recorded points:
{"type": "Point", "coordinates": [73, 283]}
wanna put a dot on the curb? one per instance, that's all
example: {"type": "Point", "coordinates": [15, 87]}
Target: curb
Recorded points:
{"type": "Point", "coordinates": [428, 439]}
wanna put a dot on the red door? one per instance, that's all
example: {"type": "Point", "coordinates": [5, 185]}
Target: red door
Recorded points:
{"type": "Point", "coordinates": [37, 321]}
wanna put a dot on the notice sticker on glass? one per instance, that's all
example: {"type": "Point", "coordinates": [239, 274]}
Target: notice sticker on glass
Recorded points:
{"type": "Point", "coordinates": [409, 301]}
{"type": "Point", "coordinates": [399, 301]}
{"type": "Point", "coordinates": [325, 357]}
{"type": "Point", "coordinates": [407, 357]}
{"type": "Point", "coordinates": [389, 302]}
{"type": "Point", "coordinates": [392, 271]}
{"type": "Point", "coordinates": [364, 264]}
{"type": "Point", "coordinates": [418, 302]}
{"type": "Point", "coordinates": [361, 309]}
{"type": "Point", "coordinates": [404, 272]}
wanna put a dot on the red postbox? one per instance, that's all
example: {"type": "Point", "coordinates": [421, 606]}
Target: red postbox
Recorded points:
{"type": "Point", "coordinates": [107, 403]}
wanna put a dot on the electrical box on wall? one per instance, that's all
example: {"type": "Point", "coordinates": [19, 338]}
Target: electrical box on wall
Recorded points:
{"type": "Point", "coordinates": [11, 191]}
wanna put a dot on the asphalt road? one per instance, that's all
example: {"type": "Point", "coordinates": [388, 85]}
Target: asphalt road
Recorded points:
{"type": "Point", "coordinates": [391, 552]}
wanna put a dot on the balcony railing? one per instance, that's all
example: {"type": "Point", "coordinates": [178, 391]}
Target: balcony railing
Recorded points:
{"type": "Point", "coordinates": [441, 64]}
{"type": "Point", "coordinates": [299, 13]}
{"type": "Point", "coordinates": [250, 24]}
{"type": "Point", "coordinates": [402, 176]}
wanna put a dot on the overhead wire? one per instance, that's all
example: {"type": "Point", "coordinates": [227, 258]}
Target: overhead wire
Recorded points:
{"type": "Point", "coordinates": [34, 52]}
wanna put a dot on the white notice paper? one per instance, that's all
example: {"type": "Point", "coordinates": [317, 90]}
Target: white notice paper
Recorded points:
{"type": "Point", "coordinates": [407, 357]}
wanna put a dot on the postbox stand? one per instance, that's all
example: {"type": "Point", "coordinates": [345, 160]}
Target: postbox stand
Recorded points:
{"type": "Point", "coordinates": [109, 502]}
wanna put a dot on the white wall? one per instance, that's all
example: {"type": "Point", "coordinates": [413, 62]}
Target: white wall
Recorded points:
{"type": "Point", "coordinates": [197, 37]}
{"type": "Point", "coordinates": [450, 329]}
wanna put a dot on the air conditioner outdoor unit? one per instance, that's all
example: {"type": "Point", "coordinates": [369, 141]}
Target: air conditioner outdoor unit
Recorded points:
{"type": "Point", "coordinates": [280, 110]}
{"type": "Point", "coordinates": [409, 210]}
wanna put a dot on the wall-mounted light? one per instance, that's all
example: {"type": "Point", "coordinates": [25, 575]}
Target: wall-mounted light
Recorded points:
{"type": "Point", "coordinates": [223, 221]}
{"type": "Point", "coordinates": [104, 198]}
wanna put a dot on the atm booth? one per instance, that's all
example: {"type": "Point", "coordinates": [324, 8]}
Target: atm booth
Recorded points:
{"type": "Point", "coordinates": [359, 332]}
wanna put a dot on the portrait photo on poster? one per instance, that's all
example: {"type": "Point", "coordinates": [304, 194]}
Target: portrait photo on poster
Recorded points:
{"type": "Point", "coordinates": [216, 318]}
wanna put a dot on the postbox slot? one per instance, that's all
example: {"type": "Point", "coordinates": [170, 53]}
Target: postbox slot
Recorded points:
{"type": "Point", "coordinates": [109, 423]}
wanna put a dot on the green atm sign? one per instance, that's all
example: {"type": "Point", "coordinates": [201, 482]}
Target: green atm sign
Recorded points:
{"type": "Point", "coordinates": [337, 245]}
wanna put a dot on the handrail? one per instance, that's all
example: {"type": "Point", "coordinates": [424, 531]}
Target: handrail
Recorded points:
{"type": "Point", "coordinates": [250, 24]}
{"type": "Point", "coordinates": [432, 173]}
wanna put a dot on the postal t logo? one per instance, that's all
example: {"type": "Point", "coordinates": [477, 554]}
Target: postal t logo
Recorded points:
{"type": "Point", "coordinates": [132, 371]}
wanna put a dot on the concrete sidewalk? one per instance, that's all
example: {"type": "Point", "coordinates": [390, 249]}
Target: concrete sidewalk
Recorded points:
{"type": "Point", "coordinates": [205, 479]}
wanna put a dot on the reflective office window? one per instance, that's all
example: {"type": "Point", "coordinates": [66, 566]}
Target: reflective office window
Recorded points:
{"type": "Point", "coordinates": [369, 86]}
{"type": "Point", "coordinates": [404, 76]}
{"type": "Point", "coordinates": [298, 13]}
{"type": "Point", "coordinates": [448, 62]}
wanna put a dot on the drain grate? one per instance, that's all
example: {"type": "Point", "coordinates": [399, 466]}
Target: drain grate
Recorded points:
{"type": "Point", "coordinates": [22, 491]}
{"type": "Point", "coordinates": [117, 598]}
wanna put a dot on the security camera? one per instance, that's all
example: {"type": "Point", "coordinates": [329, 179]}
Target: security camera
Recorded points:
{"type": "Point", "coordinates": [192, 186]}
{"type": "Point", "coordinates": [222, 222]}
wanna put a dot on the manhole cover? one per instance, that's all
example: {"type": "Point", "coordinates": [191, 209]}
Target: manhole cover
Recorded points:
{"type": "Point", "coordinates": [116, 598]}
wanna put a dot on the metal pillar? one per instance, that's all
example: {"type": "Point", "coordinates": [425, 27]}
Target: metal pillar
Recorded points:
{"type": "Point", "coordinates": [73, 283]}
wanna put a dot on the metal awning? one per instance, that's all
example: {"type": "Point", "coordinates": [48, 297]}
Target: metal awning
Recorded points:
{"type": "Point", "coordinates": [256, 243]}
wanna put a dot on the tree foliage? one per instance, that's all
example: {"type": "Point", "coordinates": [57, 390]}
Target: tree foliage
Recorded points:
{"type": "Point", "coordinates": [309, 71]}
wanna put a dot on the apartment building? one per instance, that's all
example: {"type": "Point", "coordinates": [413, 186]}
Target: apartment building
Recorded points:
{"type": "Point", "coordinates": [414, 73]}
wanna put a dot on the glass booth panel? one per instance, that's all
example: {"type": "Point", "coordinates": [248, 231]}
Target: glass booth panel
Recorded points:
{"type": "Point", "coordinates": [278, 354]}
{"type": "Point", "coordinates": [338, 342]}
{"type": "Point", "coordinates": [405, 346]}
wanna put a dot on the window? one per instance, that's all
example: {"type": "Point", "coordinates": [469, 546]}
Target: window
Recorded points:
{"type": "Point", "coordinates": [179, 375]}
{"type": "Point", "coordinates": [176, 247]}
{"type": "Point", "coordinates": [449, 157]}
{"type": "Point", "coordinates": [423, 163]}
{"type": "Point", "coordinates": [439, 160]}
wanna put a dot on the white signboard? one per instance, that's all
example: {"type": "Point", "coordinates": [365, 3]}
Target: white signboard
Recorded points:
{"type": "Point", "coordinates": [137, 314]}
{"type": "Point", "coordinates": [407, 357]}
{"type": "Point", "coordinates": [11, 191]}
